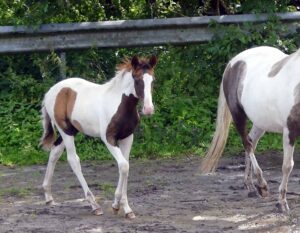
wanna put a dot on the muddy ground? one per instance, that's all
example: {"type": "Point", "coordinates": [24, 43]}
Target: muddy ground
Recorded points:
{"type": "Point", "coordinates": [166, 195]}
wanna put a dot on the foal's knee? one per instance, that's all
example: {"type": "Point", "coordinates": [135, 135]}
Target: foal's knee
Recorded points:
{"type": "Point", "coordinates": [124, 167]}
{"type": "Point", "coordinates": [287, 167]}
{"type": "Point", "coordinates": [73, 159]}
{"type": "Point", "coordinates": [46, 187]}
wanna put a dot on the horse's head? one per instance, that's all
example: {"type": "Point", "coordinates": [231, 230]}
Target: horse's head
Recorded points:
{"type": "Point", "coordinates": [143, 75]}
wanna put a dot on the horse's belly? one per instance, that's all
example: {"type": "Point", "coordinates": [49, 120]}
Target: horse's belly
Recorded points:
{"type": "Point", "coordinates": [87, 117]}
{"type": "Point", "coordinates": [266, 122]}
{"type": "Point", "coordinates": [86, 124]}
{"type": "Point", "coordinates": [268, 109]}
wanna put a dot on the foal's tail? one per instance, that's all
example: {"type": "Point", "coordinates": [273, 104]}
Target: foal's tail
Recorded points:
{"type": "Point", "coordinates": [218, 143]}
{"type": "Point", "coordinates": [48, 137]}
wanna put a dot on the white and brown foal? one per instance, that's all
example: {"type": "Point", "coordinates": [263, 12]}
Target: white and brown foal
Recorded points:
{"type": "Point", "coordinates": [261, 84]}
{"type": "Point", "coordinates": [108, 111]}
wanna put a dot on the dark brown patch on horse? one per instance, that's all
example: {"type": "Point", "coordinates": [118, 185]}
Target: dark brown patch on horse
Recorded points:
{"type": "Point", "coordinates": [232, 86]}
{"type": "Point", "coordinates": [279, 65]}
{"type": "Point", "coordinates": [58, 141]}
{"type": "Point", "coordinates": [77, 125]}
{"type": "Point", "coordinates": [124, 121]}
{"type": "Point", "coordinates": [63, 109]}
{"type": "Point", "coordinates": [293, 120]}
{"type": "Point", "coordinates": [49, 134]}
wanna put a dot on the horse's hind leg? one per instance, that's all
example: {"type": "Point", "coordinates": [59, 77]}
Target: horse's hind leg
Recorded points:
{"type": "Point", "coordinates": [233, 88]}
{"type": "Point", "coordinates": [74, 162]}
{"type": "Point", "coordinates": [240, 120]}
{"type": "Point", "coordinates": [252, 165]}
{"type": "Point", "coordinates": [55, 153]}
{"type": "Point", "coordinates": [287, 166]}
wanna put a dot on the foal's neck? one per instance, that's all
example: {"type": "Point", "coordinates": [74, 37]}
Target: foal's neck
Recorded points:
{"type": "Point", "coordinates": [123, 83]}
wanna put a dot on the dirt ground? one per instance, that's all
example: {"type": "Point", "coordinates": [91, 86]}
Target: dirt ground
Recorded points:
{"type": "Point", "coordinates": [166, 196]}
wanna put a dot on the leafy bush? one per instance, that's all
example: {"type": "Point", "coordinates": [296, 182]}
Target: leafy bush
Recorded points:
{"type": "Point", "coordinates": [185, 93]}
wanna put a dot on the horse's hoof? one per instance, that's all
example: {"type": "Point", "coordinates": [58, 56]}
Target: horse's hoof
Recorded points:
{"type": "Point", "coordinates": [97, 211]}
{"type": "Point", "coordinates": [130, 215]}
{"type": "Point", "coordinates": [252, 194]}
{"type": "Point", "coordinates": [282, 209]}
{"type": "Point", "coordinates": [115, 210]}
{"type": "Point", "coordinates": [263, 191]}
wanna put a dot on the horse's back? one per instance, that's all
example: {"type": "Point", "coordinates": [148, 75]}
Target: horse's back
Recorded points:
{"type": "Point", "coordinates": [77, 84]}
{"type": "Point", "coordinates": [75, 100]}
{"type": "Point", "coordinates": [267, 90]}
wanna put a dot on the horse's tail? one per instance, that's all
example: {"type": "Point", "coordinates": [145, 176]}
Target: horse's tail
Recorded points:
{"type": "Point", "coordinates": [48, 137]}
{"type": "Point", "coordinates": [218, 143]}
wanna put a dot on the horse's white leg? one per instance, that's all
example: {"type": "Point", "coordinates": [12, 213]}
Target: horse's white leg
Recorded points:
{"type": "Point", "coordinates": [255, 134]}
{"type": "Point", "coordinates": [125, 146]}
{"type": "Point", "coordinates": [74, 162]}
{"type": "Point", "coordinates": [262, 186]}
{"type": "Point", "coordinates": [123, 174]}
{"type": "Point", "coordinates": [287, 166]}
{"type": "Point", "coordinates": [55, 153]}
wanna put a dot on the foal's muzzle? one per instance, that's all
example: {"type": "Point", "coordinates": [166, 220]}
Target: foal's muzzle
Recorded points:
{"type": "Point", "coordinates": [148, 110]}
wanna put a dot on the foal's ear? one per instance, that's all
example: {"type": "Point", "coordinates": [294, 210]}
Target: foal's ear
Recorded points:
{"type": "Point", "coordinates": [134, 62]}
{"type": "Point", "coordinates": [153, 61]}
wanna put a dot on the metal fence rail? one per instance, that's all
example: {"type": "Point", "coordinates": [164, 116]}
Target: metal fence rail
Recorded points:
{"type": "Point", "coordinates": [122, 33]}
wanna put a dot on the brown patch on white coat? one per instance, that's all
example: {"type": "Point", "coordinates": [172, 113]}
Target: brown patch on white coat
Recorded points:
{"type": "Point", "coordinates": [63, 108]}
{"type": "Point", "coordinates": [277, 67]}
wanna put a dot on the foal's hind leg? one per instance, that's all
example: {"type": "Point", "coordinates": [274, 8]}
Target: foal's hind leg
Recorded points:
{"type": "Point", "coordinates": [74, 162]}
{"type": "Point", "coordinates": [56, 151]}
{"type": "Point", "coordinates": [287, 167]}
{"type": "Point", "coordinates": [251, 164]}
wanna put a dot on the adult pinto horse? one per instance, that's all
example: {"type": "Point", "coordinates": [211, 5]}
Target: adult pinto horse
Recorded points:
{"type": "Point", "coordinates": [108, 111]}
{"type": "Point", "coordinates": [261, 84]}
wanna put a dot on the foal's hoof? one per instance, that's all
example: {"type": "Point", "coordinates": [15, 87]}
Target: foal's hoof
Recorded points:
{"type": "Point", "coordinates": [115, 210]}
{"type": "Point", "coordinates": [282, 208]}
{"type": "Point", "coordinates": [50, 203]}
{"type": "Point", "coordinates": [130, 215]}
{"type": "Point", "coordinates": [263, 191]}
{"type": "Point", "coordinates": [97, 211]}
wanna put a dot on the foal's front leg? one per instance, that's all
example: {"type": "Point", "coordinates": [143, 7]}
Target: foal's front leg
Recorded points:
{"type": "Point", "coordinates": [125, 146]}
{"type": "Point", "coordinates": [121, 190]}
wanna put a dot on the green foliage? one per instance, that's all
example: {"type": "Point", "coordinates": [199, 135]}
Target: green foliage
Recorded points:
{"type": "Point", "coordinates": [185, 91]}
{"type": "Point", "coordinates": [266, 6]}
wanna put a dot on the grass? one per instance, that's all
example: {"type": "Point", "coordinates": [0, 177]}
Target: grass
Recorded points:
{"type": "Point", "coordinates": [15, 192]}
{"type": "Point", "coordinates": [108, 190]}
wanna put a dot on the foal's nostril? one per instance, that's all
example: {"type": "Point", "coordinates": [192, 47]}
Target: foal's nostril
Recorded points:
{"type": "Point", "coordinates": [148, 110]}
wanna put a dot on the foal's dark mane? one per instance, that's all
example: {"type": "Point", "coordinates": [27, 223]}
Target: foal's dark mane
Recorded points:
{"type": "Point", "coordinates": [126, 64]}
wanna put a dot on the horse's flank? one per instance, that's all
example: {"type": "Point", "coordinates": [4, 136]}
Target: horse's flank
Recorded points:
{"type": "Point", "coordinates": [63, 109]}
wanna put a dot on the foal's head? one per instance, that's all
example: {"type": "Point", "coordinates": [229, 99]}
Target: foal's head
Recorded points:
{"type": "Point", "coordinates": [143, 76]}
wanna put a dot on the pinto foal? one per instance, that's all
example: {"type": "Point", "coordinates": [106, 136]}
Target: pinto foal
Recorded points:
{"type": "Point", "coordinates": [108, 111]}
